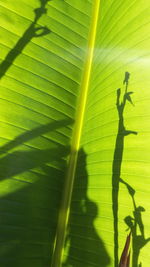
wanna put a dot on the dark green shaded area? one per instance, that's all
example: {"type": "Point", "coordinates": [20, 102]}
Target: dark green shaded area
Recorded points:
{"type": "Point", "coordinates": [86, 247]}
{"type": "Point", "coordinates": [29, 215]}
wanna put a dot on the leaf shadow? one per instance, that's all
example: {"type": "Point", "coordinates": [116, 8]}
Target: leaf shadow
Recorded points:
{"type": "Point", "coordinates": [136, 226]}
{"type": "Point", "coordinates": [30, 202]}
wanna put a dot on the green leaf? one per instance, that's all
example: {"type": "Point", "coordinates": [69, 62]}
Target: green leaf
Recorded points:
{"type": "Point", "coordinates": [65, 124]}
{"type": "Point", "coordinates": [43, 46]}
{"type": "Point", "coordinates": [114, 162]}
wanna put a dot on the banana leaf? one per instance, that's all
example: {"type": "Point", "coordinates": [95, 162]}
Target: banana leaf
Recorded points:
{"type": "Point", "coordinates": [74, 132]}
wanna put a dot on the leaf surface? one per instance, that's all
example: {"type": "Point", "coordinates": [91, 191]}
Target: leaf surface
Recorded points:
{"type": "Point", "coordinates": [43, 63]}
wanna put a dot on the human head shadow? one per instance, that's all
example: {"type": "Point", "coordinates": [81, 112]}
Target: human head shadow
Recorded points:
{"type": "Point", "coordinates": [85, 245]}
{"type": "Point", "coordinates": [121, 102]}
{"type": "Point", "coordinates": [29, 209]}
{"type": "Point", "coordinates": [136, 226]}
{"type": "Point", "coordinates": [33, 31]}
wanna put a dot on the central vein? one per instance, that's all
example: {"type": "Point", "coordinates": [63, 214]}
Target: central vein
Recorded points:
{"type": "Point", "coordinates": [70, 175]}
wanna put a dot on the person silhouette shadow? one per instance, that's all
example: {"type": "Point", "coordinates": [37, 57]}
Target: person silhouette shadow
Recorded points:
{"type": "Point", "coordinates": [83, 244]}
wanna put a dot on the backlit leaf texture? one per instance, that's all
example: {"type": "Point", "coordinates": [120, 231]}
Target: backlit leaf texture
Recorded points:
{"type": "Point", "coordinates": [43, 56]}
{"type": "Point", "coordinates": [42, 53]}
{"type": "Point", "coordinates": [96, 233]}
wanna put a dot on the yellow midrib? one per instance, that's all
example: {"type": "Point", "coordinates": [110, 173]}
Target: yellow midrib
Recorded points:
{"type": "Point", "coordinates": [69, 181]}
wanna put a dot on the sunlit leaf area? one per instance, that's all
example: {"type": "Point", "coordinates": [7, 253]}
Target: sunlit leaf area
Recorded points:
{"type": "Point", "coordinates": [46, 65]}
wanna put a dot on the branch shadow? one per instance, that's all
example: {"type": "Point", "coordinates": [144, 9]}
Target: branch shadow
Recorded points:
{"type": "Point", "coordinates": [32, 31]}
{"type": "Point", "coordinates": [118, 156]}
{"type": "Point", "coordinates": [32, 193]}
{"type": "Point", "coordinates": [86, 248]}
{"type": "Point", "coordinates": [134, 224]}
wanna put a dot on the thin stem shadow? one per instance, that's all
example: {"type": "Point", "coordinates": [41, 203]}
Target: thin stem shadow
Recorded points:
{"type": "Point", "coordinates": [32, 31]}
{"type": "Point", "coordinates": [118, 156]}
